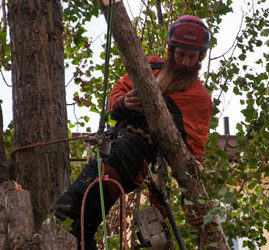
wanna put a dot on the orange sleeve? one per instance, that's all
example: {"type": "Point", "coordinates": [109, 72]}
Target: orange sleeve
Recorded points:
{"type": "Point", "coordinates": [122, 86]}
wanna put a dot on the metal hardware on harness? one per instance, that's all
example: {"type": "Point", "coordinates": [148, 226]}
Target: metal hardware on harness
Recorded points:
{"type": "Point", "coordinates": [154, 233]}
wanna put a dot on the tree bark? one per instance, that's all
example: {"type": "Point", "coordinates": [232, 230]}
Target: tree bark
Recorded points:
{"type": "Point", "coordinates": [162, 129]}
{"type": "Point", "coordinates": [17, 224]}
{"type": "Point", "coordinates": [54, 237]}
{"type": "Point", "coordinates": [159, 12]}
{"type": "Point", "coordinates": [16, 216]}
{"type": "Point", "coordinates": [39, 104]}
{"type": "Point", "coordinates": [3, 162]}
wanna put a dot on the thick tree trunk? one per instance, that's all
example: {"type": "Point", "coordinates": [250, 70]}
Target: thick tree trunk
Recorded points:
{"type": "Point", "coordinates": [16, 216]}
{"type": "Point", "coordinates": [17, 224]}
{"type": "Point", "coordinates": [3, 164]}
{"type": "Point", "coordinates": [162, 129]}
{"type": "Point", "coordinates": [39, 104]}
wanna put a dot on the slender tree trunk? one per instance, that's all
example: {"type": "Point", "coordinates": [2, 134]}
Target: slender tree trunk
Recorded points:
{"type": "Point", "coordinates": [39, 104]}
{"type": "Point", "coordinates": [3, 164]}
{"type": "Point", "coordinates": [162, 129]}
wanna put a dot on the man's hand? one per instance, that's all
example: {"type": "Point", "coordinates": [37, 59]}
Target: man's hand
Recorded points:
{"type": "Point", "coordinates": [194, 219]}
{"type": "Point", "coordinates": [132, 101]}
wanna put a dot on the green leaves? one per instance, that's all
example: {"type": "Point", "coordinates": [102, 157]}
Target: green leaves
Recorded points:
{"type": "Point", "coordinates": [5, 56]}
{"type": "Point", "coordinates": [8, 140]}
{"type": "Point", "coordinates": [79, 10]}
{"type": "Point", "coordinates": [242, 57]}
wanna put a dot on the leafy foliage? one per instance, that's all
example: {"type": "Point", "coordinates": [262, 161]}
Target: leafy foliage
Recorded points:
{"type": "Point", "coordinates": [66, 224]}
{"type": "Point", "coordinates": [8, 140]}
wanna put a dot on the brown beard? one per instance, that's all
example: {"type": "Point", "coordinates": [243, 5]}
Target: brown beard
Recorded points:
{"type": "Point", "coordinates": [175, 78]}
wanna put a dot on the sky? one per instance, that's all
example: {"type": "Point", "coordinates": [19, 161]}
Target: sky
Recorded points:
{"type": "Point", "coordinates": [230, 103]}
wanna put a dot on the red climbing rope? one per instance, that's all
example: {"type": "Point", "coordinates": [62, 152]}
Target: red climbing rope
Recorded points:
{"type": "Point", "coordinates": [104, 178]}
{"type": "Point", "coordinates": [88, 138]}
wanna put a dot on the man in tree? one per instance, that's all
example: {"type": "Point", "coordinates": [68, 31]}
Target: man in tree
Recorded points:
{"type": "Point", "coordinates": [131, 145]}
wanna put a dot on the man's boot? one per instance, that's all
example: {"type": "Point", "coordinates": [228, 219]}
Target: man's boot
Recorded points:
{"type": "Point", "coordinates": [69, 205]}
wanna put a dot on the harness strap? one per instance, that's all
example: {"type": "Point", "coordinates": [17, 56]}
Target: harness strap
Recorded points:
{"type": "Point", "coordinates": [177, 115]}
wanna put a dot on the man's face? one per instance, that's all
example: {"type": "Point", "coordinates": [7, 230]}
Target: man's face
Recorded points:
{"type": "Point", "coordinates": [185, 58]}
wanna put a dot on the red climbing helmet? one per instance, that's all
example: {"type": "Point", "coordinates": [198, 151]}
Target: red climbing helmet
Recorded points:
{"type": "Point", "coordinates": [190, 32]}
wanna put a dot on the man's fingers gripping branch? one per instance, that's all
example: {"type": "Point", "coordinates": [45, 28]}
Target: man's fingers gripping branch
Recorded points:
{"type": "Point", "coordinates": [132, 101]}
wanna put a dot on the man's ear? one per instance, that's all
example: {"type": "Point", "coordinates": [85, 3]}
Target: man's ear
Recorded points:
{"type": "Point", "coordinates": [202, 56]}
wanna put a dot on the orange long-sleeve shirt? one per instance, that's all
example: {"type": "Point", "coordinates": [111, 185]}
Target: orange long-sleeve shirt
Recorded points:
{"type": "Point", "coordinates": [194, 104]}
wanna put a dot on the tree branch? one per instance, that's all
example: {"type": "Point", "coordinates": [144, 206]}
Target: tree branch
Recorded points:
{"type": "Point", "coordinates": [261, 167]}
{"type": "Point", "coordinates": [159, 12]}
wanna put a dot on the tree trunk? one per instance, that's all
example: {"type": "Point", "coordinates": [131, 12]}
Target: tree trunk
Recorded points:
{"type": "Point", "coordinates": [3, 164]}
{"type": "Point", "coordinates": [39, 104]}
{"type": "Point", "coordinates": [16, 216]}
{"type": "Point", "coordinates": [162, 129]}
{"type": "Point", "coordinates": [54, 237]}
{"type": "Point", "coordinates": [17, 224]}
